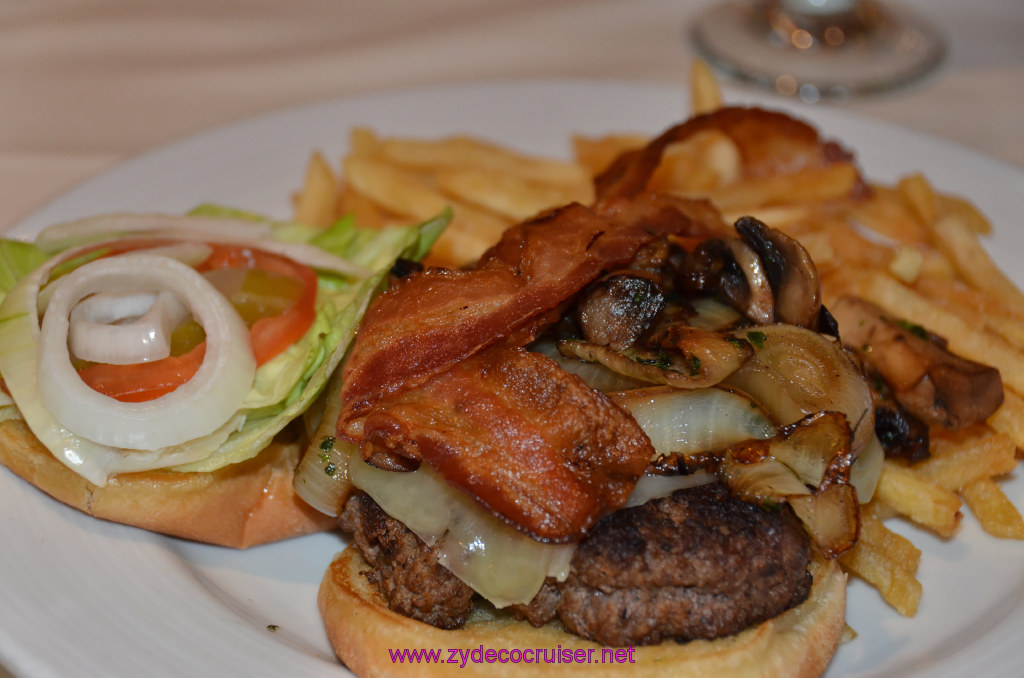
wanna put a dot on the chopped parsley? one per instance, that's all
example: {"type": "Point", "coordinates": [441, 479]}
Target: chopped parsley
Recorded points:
{"type": "Point", "coordinates": [913, 328]}
{"type": "Point", "coordinates": [661, 360]}
{"type": "Point", "coordinates": [736, 341]}
{"type": "Point", "coordinates": [757, 338]}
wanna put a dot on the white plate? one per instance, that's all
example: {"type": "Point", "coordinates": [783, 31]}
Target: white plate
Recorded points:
{"type": "Point", "coordinates": [87, 598]}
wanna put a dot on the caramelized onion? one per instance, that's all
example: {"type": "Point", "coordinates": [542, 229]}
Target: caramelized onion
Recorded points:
{"type": "Point", "coordinates": [653, 487]}
{"type": "Point", "coordinates": [796, 372]}
{"type": "Point", "coordinates": [321, 478]}
{"type": "Point", "coordinates": [817, 449]}
{"type": "Point", "coordinates": [867, 468]}
{"type": "Point", "coordinates": [689, 421]}
{"type": "Point", "coordinates": [807, 465]}
{"type": "Point", "coordinates": [831, 518]}
{"type": "Point", "coordinates": [713, 315]}
{"type": "Point", "coordinates": [690, 358]}
{"type": "Point", "coordinates": [595, 375]}
{"type": "Point", "coordinates": [763, 482]}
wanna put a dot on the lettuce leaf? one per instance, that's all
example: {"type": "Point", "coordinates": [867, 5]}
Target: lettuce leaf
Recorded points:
{"type": "Point", "coordinates": [17, 259]}
{"type": "Point", "coordinates": [287, 385]}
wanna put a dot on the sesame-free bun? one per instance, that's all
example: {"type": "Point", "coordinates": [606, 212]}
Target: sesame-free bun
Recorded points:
{"type": "Point", "coordinates": [240, 505]}
{"type": "Point", "coordinates": [799, 643]}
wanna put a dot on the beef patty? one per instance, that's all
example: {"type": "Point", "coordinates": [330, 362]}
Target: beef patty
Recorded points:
{"type": "Point", "coordinates": [405, 569]}
{"type": "Point", "coordinates": [695, 564]}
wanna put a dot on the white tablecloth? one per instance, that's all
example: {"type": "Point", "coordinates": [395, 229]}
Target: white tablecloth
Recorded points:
{"type": "Point", "coordinates": [85, 84]}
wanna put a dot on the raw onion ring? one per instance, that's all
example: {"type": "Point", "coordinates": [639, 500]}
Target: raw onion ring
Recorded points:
{"type": "Point", "coordinates": [126, 328]}
{"type": "Point", "coordinates": [125, 227]}
{"type": "Point", "coordinates": [195, 409]}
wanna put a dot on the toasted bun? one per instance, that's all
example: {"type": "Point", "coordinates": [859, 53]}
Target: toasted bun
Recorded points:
{"type": "Point", "coordinates": [239, 505]}
{"type": "Point", "coordinates": [797, 644]}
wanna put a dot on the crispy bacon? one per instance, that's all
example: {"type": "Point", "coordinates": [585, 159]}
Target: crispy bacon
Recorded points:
{"type": "Point", "coordinates": [769, 142]}
{"type": "Point", "coordinates": [431, 320]}
{"type": "Point", "coordinates": [531, 442]}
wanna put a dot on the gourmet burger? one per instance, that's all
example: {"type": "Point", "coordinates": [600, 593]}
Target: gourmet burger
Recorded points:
{"type": "Point", "coordinates": [630, 425]}
{"type": "Point", "coordinates": [159, 370]}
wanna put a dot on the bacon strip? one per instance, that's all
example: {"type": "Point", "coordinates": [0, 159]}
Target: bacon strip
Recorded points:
{"type": "Point", "coordinates": [532, 443]}
{"type": "Point", "coordinates": [431, 320]}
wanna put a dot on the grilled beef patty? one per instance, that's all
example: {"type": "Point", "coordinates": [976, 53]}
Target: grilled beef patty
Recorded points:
{"type": "Point", "coordinates": [695, 564]}
{"type": "Point", "coordinates": [404, 568]}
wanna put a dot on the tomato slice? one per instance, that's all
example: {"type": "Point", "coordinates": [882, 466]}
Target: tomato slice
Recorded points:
{"type": "Point", "coordinates": [269, 335]}
{"type": "Point", "coordinates": [144, 381]}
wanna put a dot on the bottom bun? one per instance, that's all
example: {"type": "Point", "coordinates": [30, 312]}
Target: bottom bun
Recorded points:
{"type": "Point", "coordinates": [365, 634]}
{"type": "Point", "coordinates": [240, 505]}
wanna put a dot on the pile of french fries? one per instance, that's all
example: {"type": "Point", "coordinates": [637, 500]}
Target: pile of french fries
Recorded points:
{"type": "Point", "coordinates": [909, 249]}
{"type": "Point", "coordinates": [401, 180]}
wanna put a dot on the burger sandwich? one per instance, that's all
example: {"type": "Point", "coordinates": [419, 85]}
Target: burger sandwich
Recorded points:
{"type": "Point", "coordinates": [627, 441]}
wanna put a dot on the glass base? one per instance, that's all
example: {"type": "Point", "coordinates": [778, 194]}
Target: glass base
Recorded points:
{"type": "Point", "coordinates": [863, 48]}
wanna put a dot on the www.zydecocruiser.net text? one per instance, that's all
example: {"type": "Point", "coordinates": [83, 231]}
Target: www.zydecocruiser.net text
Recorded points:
{"type": "Point", "coordinates": [462, 657]}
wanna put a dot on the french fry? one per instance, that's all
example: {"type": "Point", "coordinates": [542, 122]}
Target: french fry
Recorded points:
{"type": "Point", "coordinates": [997, 515]}
{"type": "Point", "coordinates": [920, 197]}
{"type": "Point", "coordinates": [468, 152]}
{"type": "Point", "coordinates": [855, 255]}
{"type": "Point", "coordinates": [888, 562]}
{"type": "Point", "coordinates": [509, 195]}
{"type": "Point", "coordinates": [818, 243]}
{"type": "Point", "coordinates": [958, 242]}
{"type": "Point", "coordinates": [1009, 418]}
{"type": "Point", "coordinates": [393, 188]}
{"type": "Point", "coordinates": [363, 142]}
{"type": "Point", "coordinates": [919, 500]}
{"type": "Point", "coordinates": [594, 154]}
{"type": "Point", "coordinates": [961, 459]}
{"type": "Point", "coordinates": [315, 202]}
{"type": "Point", "coordinates": [967, 211]}
{"type": "Point", "coordinates": [808, 185]}
{"type": "Point", "coordinates": [887, 214]}
{"type": "Point", "coordinates": [973, 305]}
{"type": "Point", "coordinates": [706, 160]}
{"type": "Point", "coordinates": [470, 233]}
{"type": "Point", "coordinates": [365, 211]}
{"type": "Point", "coordinates": [906, 263]}
{"type": "Point", "coordinates": [705, 95]}
{"type": "Point", "coordinates": [900, 549]}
